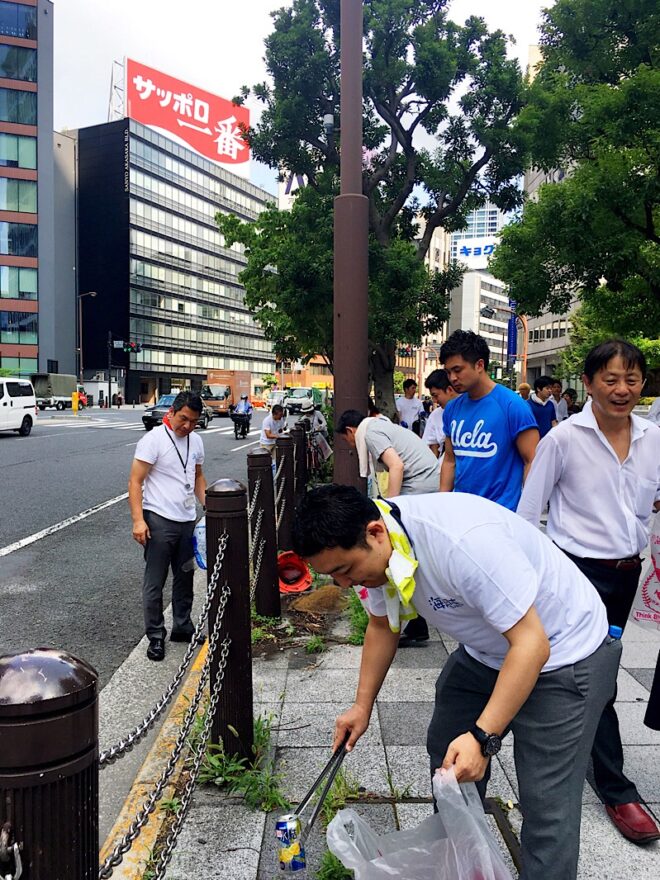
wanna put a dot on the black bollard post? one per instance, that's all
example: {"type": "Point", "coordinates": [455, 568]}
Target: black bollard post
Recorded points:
{"type": "Point", "coordinates": [226, 512]}
{"type": "Point", "coordinates": [49, 772]}
{"type": "Point", "coordinates": [264, 535]}
{"type": "Point", "coordinates": [284, 492]}
{"type": "Point", "coordinates": [299, 435]}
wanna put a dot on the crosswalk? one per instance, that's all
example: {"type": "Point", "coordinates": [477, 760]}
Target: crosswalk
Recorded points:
{"type": "Point", "coordinates": [104, 424]}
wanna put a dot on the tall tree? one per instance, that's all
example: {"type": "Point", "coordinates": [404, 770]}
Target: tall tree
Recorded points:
{"type": "Point", "coordinates": [440, 107]}
{"type": "Point", "coordinates": [593, 110]}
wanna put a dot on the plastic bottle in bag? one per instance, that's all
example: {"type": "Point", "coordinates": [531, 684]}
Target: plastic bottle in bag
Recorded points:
{"type": "Point", "coordinates": [199, 543]}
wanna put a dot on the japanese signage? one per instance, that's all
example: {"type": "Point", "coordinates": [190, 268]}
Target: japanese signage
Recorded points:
{"type": "Point", "coordinates": [474, 252]}
{"type": "Point", "coordinates": [210, 125]}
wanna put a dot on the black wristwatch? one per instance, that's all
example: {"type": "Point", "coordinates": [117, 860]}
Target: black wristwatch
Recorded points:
{"type": "Point", "coordinates": [490, 743]}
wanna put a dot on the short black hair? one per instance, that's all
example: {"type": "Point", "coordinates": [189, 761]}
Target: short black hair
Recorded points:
{"type": "Point", "coordinates": [190, 399]}
{"type": "Point", "coordinates": [372, 409]}
{"type": "Point", "coordinates": [469, 345]}
{"type": "Point", "coordinates": [350, 418]}
{"type": "Point", "coordinates": [572, 393]}
{"type": "Point", "coordinates": [332, 516]}
{"type": "Point", "coordinates": [408, 383]}
{"type": "Point", "coordinates": [278, 408]}
{"type": "Point", "coordinates": [543, 382]}
{"type": "Point", "coordinates": [555, 381]}
{"type": "Point", "coordinates": [438, 379]}
{"type": "Point", "coordinates": [600, 356]}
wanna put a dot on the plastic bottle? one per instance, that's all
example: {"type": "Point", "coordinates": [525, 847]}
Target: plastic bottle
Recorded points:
{"type": "Point", "coordinates": [615, 632]}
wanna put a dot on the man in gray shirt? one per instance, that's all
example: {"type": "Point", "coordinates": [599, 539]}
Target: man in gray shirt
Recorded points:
{"type": "Point", "coordinates": [382, 445]}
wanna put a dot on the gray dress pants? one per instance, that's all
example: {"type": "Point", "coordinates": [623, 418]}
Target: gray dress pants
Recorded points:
{"type": "Point", "coordinates": [170, 546]}
{"type": "Point", "coordinates": [553, 733]}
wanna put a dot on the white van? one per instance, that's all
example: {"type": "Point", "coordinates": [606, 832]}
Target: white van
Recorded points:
{"type": "Point", "coordinates": [18, 405]}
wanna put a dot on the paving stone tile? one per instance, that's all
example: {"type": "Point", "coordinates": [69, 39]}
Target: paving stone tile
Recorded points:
{"type": "Point", "coordinates": [268, 684]}
{"type": "Point", "coordinates": [304, 726]}
{"type": "Point", "coordinates": [642, 766]}
{"type": "Point", "coordinates": [632, 727]}
{"type": "Point", "coordinates": [218, 843]}
{"type": "Point", "coordinates": [404, 724]}
{"type": "Point", "coordinates": [379, 816]}
{"type": "Point", "coordinates": [643, 676]}
{"type": "Point", "coordinates": [635, 632]}
{"type": "Point", "coordinates": [322, 686]}
{"type": "Point", "coordinates": [639, 655]}
{"type": "Point", "coordinates": [426, 655]}
{"type": "Point", "coordinates": [301, 766]}
{"type": "Point", "coordinates": [606, 855]}
{"type": "Point", "coordinates": [629, 690]}
{"type": "Point", "coordinates": [341, 657]}
{"type": "Point", "coordinates": [412, 685]}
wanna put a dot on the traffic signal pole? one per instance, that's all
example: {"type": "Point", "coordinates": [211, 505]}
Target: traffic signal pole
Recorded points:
{"type": "Point", "coordinates": [351, 248]}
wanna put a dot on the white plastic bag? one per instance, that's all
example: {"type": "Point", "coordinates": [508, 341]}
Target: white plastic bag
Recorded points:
{"type": "Point", "coordinates": [646, 605]}
{"type": "Point", "coordinates": [453, 844]}
{"type": "Point", "coordinates": [199, 543]}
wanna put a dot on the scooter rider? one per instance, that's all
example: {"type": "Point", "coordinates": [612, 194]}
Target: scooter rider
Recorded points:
{"type": "Point", "coordinates": [244, 407]}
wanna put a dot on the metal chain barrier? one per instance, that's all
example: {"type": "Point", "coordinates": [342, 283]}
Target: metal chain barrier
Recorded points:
{"type": "Point", "coordinates": [278, 472]}
{"type": "Point", "coordinates": [142, 816]}
{"type": "Point", "coordinates": [278, 518]}
{"type": "Point", "coordinates": [186, 798]}
{"type": "Point", "coordinates": [125, 745]}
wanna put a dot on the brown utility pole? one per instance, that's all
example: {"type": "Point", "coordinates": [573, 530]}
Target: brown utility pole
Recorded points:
{"type": "Point", "coordinates": [351, 246]}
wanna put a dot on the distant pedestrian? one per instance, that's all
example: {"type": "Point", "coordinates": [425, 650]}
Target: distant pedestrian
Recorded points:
{"type": "Point", "coordinates": [409, 406]}
{"type": "Point", "coordinates": [558, 400]}
{"type": "Point", "coordinates": [441, 392]}
{"type": "Point", "coordinates": [166, 478]}
{"type": "Point", "coordinates": [491, 434]}
{"type": "Point", "coordinates": [570, 397]}
{"type": "Point", "coordinates": [542, 406]}
{"type": "Point", "coordinates": [272, 427]}
{"type": "Point", "coordinates": [120, 400]}
{"type": "Point", "coordinates": [654, 413]}
{"type": "Point", "coordinates": [524, 390]}
{"type": "Point", "coordinates": [600, 471]}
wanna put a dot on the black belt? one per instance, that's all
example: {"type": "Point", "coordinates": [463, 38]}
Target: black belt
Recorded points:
{"type": "Point", "coordinates": [626, 564]}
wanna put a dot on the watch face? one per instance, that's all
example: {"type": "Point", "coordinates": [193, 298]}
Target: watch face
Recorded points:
{"type": "Point", "coordinates": [491, 745]}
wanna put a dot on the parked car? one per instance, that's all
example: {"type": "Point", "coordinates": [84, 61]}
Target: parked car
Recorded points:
{"type": "Point", "coordinates": [18, 405]}
{"type": "Point", "coordinates": [153, 415]}
{"type": "Point", "coordinates": [275, 397]}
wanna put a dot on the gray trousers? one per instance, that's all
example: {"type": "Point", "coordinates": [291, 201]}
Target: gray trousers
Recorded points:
{"type": "Point", "coordinates": [553, 733]}
{"type": "Point", "coordinates": [170, 546]}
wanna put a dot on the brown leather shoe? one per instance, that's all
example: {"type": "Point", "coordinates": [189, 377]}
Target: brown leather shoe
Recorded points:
{"type": "Point", "coordinates": [634, 822]}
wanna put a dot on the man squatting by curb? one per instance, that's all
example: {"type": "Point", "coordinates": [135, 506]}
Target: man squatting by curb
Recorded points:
{"type": "Point", "coordinates": [166, 477]}
{"type": "Point", "coordinates": [600, 472]}
{"type": "Point", "coordinates": [534, 654]}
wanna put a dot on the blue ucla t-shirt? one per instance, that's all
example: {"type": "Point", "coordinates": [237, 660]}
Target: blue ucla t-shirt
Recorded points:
{"type": "Point", "coordinates": [483, 435]}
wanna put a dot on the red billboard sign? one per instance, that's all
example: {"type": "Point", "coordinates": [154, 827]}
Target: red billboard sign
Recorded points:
{"type": "Point", "coordinates": [209, 124]}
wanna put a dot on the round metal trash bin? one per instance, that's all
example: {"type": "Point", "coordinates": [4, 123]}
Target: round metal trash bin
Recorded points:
{"type": "Point", "coordinates": [49, 762]}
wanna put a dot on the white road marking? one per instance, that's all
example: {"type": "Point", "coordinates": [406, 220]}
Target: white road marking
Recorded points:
{"type": "Point", "coordinates": [245, 446]}
{"type": "Point", "coordinates": [44, 533]}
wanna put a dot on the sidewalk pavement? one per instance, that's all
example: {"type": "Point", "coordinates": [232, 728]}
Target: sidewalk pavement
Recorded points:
{"type": "Point", "coordinates": [222, 840]}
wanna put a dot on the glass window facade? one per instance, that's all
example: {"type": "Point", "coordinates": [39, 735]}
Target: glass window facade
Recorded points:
{"type": "Point", "coordinates": [16, 62]}
{"type": "Point", "coordinates": [18, 195]}
{"type": "Point", "coordinates": [19, 366]}
{"type": "Point", "coordinates": [18, 239]}
{"type": "Point", "coordinates": [18, 151]}
{"type": "Point", "coordinates": [18, 106]}
{"type": "Point", "coordinates": [17, 20]}
{"type": "Point", "coordinates": [18, 283]}
{"type": "Point", "coordinates": [19, 328]}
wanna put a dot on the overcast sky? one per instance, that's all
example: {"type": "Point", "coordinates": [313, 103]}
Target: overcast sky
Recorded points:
{"type": "Point", "coordinates": [214, 44]}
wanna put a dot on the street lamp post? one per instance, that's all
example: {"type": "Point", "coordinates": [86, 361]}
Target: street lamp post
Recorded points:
{"type": "Point", "coordinates": [351, 246]}
{"type": "Point", "coordinates": [81, 296]}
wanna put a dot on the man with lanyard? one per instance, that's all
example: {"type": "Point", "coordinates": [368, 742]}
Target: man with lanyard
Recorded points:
{"type": "Point", "coordinates": [409, 406]}
{"type": "Point", "coordinates": [499, 587]}
{"type": "Point", "coordinates": [491, 433]}
{"type": "Point", "coordinates": [600, 471]}
{"type": "Point", "coordinates": [165, 479]}
{"type": "Point", "coordinates": [441, 393]}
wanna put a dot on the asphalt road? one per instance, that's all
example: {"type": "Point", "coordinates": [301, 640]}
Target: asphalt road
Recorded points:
{"type": "Point", "coordinates": [79, 588]}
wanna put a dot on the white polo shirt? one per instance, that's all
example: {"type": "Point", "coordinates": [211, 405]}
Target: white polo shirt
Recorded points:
{"type": "Point", "coordinates": [433, 432]}
{"type": "Point", "coordinates": [481, 568]}
{"type": "Point", "coordinates": [164, 490]}
{"type": "Point", "coordinates": [599, 507]}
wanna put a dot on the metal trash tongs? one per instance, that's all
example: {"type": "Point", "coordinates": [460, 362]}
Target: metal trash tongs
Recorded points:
{"type": "Point", "coordinates": [330, 770]}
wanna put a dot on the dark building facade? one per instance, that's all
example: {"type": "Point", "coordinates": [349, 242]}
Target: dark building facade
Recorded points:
{"type": "Point", "coordinates": [149, 246]}
{"type": "Point", "coordinates": [26, 186]}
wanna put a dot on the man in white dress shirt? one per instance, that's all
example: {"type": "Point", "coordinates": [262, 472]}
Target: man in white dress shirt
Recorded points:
{"type": "Point", "coordinates": [561, 407]}
{"type": "Point", "coordinates": [600, 471]}
{"type": "Point", "coordinates": [441, 392]}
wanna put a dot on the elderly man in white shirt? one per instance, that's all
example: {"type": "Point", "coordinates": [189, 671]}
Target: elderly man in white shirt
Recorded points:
{"type": "Point", "coordinates": [600, 472]}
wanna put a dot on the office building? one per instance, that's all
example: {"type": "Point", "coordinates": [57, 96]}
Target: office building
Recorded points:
{"type": "Point", "coordinates": [150, 249]}
{"type": "Point", "coordinates": [27, 252]}
{"type": "Point", "coordinates": [473, 245]}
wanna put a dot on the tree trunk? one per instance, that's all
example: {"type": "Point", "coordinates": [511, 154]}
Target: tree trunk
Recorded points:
{"type": "Point", "coordinates": [381, 363]}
